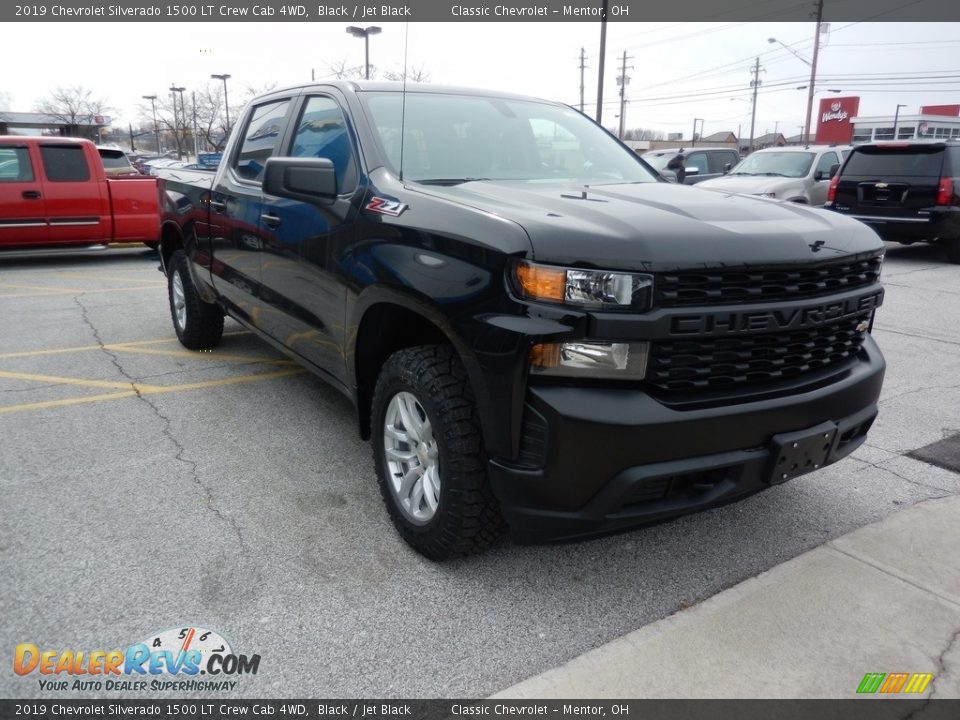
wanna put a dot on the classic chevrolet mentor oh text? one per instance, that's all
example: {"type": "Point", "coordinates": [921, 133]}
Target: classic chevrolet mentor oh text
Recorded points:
{"type": "Point", "coordinates": [534, 327]}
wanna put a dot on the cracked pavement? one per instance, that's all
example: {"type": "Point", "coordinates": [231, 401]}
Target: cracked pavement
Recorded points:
{"type": "Point", "coordinates": [251, 509]}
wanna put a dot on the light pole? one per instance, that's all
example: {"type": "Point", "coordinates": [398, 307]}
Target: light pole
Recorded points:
{"type": "Point", "coordinates": [365, 33]}
{"type": "Point", "coordinates": [693, 138]}
{"type": "Point", "coordinates": [812, 63]}
{"type": "Point", "coordinates": [226, 105]}
{"type": "Point", "coordinates": [176, 122]}
{"type": "Point", "coordinates": [805, 138]}
{"type": "Point", "coordinates": [896, 116]}
{"type": "Point", "coordinates": [156, 128]}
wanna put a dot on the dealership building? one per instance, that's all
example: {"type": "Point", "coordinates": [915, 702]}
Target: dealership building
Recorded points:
{"type": "Point", "coordinates": [838, 122]}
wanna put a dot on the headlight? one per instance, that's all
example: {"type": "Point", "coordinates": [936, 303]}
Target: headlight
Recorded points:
{"type": "Point", "coordinates": [618, 361]}
{"type": "Point", "coordinates": [586, 288]}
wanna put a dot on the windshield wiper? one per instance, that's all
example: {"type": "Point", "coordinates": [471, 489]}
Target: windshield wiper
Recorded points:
{"type": "Point", "coordinates": [772, 174]}
{"type": "Point", "coordinates": [450, 181]}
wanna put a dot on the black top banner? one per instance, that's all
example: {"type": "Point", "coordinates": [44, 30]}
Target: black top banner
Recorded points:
{"type": "Point", "coordinates": [479, 11]}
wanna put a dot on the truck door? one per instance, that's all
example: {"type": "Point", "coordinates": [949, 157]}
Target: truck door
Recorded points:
{"type": "Point", "coordinates": [78, 206]}
{"type": "Point", "coordinates": [236, 204]}
{"type": "Point", "coordinates": [303, 240]}
{"type": "Point", "coordinates": [23, 211]}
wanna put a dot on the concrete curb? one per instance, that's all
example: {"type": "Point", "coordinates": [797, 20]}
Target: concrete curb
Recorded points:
{"type": "Point", "coordinates": [884, 598]}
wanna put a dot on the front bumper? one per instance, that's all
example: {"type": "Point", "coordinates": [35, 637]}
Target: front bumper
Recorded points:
{"type": "Point", "coordinates": [611, 458]}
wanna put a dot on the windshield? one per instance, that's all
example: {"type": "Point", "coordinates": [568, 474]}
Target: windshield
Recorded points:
{"type": "Point", "coordinates": [658, 161]}
{"type": "Point", "coordinates": [449, 139]}
{"type": "Point", "coordinates": [886, 161]}
{"type": "Point", "coordinates": [114, 159]}
{"type": "Point", "coordinates": [786, 164]}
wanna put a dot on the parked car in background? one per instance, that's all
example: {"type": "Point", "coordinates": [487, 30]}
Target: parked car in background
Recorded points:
{"type": "Point", "coordinates": [55, 191]}
{"type": "Point", "coordinates": [699, 163]}
{"type": "Point", "coordinates": [790, 174]}
{"type": "Point", "coordinates": [116, 163]}
{"type": "Point", "coordinates": [907, 192]}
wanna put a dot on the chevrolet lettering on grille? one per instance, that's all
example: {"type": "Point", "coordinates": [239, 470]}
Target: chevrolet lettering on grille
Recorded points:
{"type": "Point", "coordinates": [772, 320]}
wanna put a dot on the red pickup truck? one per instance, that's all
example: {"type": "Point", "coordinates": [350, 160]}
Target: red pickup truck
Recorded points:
{"type": "Point", "coordinates": [54, 192]}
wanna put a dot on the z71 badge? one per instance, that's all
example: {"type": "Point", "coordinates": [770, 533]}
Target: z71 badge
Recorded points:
{"type": "Point", "coordinates": [386, 207]}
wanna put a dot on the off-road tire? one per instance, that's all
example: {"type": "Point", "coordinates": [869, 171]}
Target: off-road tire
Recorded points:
{"type": "Point", "coordinates": [467, 519]}
{"type": "Point", "coordinates": [199, 324]}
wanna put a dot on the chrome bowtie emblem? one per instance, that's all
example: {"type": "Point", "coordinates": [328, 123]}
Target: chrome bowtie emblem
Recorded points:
{"type": "Point", "coordinates": [881, 185]}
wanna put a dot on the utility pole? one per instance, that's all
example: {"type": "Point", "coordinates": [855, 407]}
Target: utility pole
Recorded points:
{"type": "Point", "coordinates": [813, 72]}
{"type": "Point", "coordinates": [623, 81]}
{"type": "Point", "coordinates": [583, 59]}
{"type": "Point", "coordinates": [755, 84]}
{"type": "Point", "coordinates": [603, 54]}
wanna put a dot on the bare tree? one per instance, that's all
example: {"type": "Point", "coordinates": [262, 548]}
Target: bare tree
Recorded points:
{"type": "Point", "coordinates": [339, 70]}
{"type": "Point", "coordinates": [643, 134]}
{"type": "Point", "coordinates": [414, 74]}
{"type": "Point", "coordinates": [74, 106]}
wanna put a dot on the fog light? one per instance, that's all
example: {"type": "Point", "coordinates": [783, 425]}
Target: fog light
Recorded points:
{"type": "Point", "coordinates": [623, 361]}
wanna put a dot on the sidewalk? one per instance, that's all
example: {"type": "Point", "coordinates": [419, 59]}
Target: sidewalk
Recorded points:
{"type": "Point", "coordinates": [882, 599]}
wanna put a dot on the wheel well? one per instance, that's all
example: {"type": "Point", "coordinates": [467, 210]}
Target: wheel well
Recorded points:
{"type": "Point", "coordinates": [171, 240]}
{"type": "Point", "coordinates": [385, 329]}
{"type": "Point", "coordinates": [799, 200]}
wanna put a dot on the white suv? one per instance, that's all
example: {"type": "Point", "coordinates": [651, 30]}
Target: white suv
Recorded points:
{"type": "Point", "coordinates": [789, 174]}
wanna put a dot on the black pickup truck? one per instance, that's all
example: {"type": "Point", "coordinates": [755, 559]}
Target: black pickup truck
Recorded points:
{"type": "Point", "coordinates": [536, 329]}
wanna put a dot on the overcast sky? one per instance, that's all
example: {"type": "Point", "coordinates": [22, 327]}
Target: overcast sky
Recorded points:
{"type": "Point", "coordinates": [680, 70]}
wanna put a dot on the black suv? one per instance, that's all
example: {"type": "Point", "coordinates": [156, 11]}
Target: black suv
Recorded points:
{"type": "Point", "coordinates": [907, 192]}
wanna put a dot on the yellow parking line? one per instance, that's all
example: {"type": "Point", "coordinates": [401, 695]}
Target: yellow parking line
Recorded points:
{"type": "Point", "coordinates": [149, 390]}
{"type": "Point", "coordinates": [156, 389]}
{"type": "Point", "coordinates": [58, 291]}
{"type": "Point", "coordinates": [58, 380]}
{"type": "Point", "coordinates": [113, 346]}
{"type": "Point", "coordinates": [19, 286]}
{"type": "Point", "coordinates": [199, 355]}
{"type": "Point", "coordinates": [112, 279]}
{"type": "Point", "coordinates": [5, 409]}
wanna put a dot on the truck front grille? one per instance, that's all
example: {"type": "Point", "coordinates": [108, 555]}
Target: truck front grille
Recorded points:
{"type": "Point", "coordinates": [715, 363]}
{"type": "Point", "coordinates": [772, 284]}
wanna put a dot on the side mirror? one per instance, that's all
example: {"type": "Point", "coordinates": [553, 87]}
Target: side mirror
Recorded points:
{"type": "Point", "coordinates": [692, 170]}
{"type": "Point", "coordinates": [668, 175]}
{"type": "Point", "coordinates": [306, 179]}
{"type": "Point", "coordinates": [834, 169]}
{"type": "Point", "coordinates": [727, 168]}
{"type": "Point", "coordinates": [818, 175]}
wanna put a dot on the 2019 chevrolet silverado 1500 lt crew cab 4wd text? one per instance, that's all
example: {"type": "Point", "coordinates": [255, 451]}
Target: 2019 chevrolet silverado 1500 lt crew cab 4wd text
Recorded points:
{"type": "Point", "coordinates": [54, 192]}
{"type": "Point", "coordinates": [534, 327]}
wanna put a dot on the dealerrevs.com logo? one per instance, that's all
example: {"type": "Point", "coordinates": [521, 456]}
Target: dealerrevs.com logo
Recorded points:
{"type": "Point", "coordinates": [172, 660]}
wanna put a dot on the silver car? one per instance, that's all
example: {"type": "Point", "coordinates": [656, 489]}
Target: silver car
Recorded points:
{"type": "Point", "coordinates": [788, 174]}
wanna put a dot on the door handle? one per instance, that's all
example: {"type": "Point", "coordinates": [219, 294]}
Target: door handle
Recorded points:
{"type": "Point", "coordinates": [31, 195]}
{"type": "Point", "coordinates": [217, 206]}
{"type": "Point", "coordinates": [271, 221]}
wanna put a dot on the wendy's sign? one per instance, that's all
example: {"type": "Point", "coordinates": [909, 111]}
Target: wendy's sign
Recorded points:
{"type": "Point", "coordinates": [833, 119]}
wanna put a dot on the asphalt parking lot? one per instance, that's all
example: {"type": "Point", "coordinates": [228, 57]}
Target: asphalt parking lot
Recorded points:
{"type": "Point", "coordinates": [146, 487]}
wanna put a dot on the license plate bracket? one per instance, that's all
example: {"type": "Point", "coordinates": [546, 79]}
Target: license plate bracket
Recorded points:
{"type": "Point", "coordinates": [797, 453]}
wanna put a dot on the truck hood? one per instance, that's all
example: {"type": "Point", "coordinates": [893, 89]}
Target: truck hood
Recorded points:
{"type": "Point", "coordinates": [751, 185]}
{"type": "Point", "coordinates": [663, 226]}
